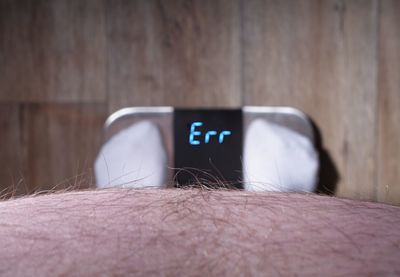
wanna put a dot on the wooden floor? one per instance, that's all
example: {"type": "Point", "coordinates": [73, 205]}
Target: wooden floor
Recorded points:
{"type": "Point", "coordinates": [65, 65]}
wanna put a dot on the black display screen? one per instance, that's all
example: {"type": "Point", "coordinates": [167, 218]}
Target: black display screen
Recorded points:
{"type": "Point", "coordinates": [208, 147]}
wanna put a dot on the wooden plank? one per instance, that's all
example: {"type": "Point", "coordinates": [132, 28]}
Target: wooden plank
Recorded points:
{"type": "Point", "coordinates": [12, 156]}
{"type": "Point", "coordinates": [62, 141]}
{"type": "Point", "coordinates": [389, 103]}
{"type": "Point", "coordinates": [180, 53]}
{"type": "Point", "coordinates": [319, 56]}
{"type": "Point", "coordinates": [52, 51]}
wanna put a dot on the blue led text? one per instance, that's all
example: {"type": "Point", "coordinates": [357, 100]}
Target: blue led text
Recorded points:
{"type": "Point", "coordinates": [194, 133]}
{"type": "Point", "coordinates": [207, 137]}
{"type": "Point", "coordinates": [222, 134]}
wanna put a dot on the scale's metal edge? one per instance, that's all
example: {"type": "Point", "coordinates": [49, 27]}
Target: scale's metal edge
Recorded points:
{"type": "Point", "coordinates": [278, 109]}
{"type": "Point", "coordinates": [135, 110]}
{"type": "Point", "coordinates": [168, 109]}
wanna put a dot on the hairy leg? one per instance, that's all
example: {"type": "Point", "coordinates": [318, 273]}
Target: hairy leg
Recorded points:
{"type": "Point", "coordinates": [196, 232]}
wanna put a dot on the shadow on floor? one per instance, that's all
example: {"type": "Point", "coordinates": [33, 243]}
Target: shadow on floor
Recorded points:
{"type": "Point", "coordinates": [328, 175]}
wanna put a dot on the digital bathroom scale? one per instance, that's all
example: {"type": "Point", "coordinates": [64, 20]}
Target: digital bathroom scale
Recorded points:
{"type": "Point", "coordinates": [206, 145]}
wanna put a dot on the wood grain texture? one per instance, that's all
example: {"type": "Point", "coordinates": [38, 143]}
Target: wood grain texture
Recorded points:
{"type": "Point", "coordinates": [12, 156]}
{"type": "Point", "coordinates": [52, 51]}
{"type": "Point", "coordinates": [179, 53]}
{"type": "Point", "coordinates": [319, 56]}
{"type": "Point", "coordinates": [388, 189]}
{"type": "Point", "coordinates": [65, 64]}
{"type": "Point", "coordinates": [62, 141]}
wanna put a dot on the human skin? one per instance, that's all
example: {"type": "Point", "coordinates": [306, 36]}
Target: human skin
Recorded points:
{"type": "Point", "coordinates": [196, 232]}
